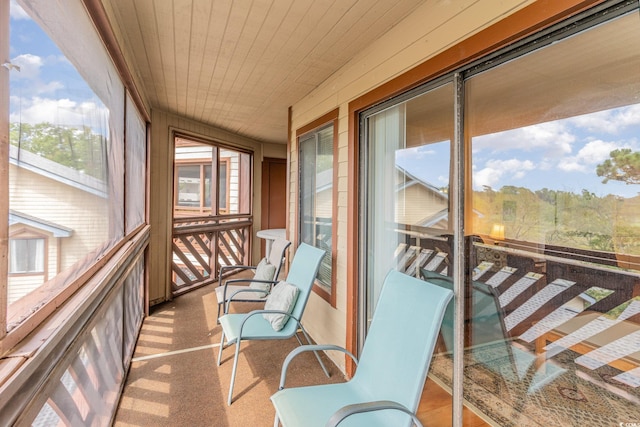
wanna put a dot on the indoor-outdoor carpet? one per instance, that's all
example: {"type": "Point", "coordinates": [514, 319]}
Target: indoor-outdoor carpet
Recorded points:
{"type": "Point", "coordinates": [504, 383]}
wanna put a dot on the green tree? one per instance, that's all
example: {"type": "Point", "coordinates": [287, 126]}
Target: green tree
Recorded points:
{"type": "Point", "coordinates": [77, 148]}
{"type": "Point", "coordinates": [623, 165]}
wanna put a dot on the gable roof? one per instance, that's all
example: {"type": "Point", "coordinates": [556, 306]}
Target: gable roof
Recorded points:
{"type": "Point", "coordinates": [57, 230]}
{"type": "Point", "coordinates": [57, 172]}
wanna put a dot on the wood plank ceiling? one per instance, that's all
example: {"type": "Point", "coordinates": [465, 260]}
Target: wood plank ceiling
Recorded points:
{"type": "Point", "coordinates": [239, 64]}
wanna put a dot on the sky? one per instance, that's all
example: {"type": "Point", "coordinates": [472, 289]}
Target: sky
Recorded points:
{"type": "Point", "coordinates": [47, 88]}
{"type": "Point", "coordinates": [560, 155]}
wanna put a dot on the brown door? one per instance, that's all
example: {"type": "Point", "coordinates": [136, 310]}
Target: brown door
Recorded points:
{"type": "Point", "coordinates": [274, 194]}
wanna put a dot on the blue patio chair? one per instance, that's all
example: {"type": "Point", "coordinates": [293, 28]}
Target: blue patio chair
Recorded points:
{"type": "Point", "coordinates": [254, 325]}
{"type": "Point", "coordinates": [390, 376]}
{"type": "Point", "coordinates": [257, 288]}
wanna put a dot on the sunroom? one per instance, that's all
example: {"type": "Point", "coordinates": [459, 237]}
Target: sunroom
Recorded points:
{"type": "Point", "coordinates": [490, 148]}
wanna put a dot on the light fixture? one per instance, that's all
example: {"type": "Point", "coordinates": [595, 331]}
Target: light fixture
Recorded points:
{"type": "Point", "coordinates": [497, 232]}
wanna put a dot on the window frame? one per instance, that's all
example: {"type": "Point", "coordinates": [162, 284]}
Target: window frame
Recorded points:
{"type": "Point", "coordinates": [329, 119]}
{"type": "Point", "coordinates": [201, 190]}
{"type": "Point", "coordinates": [203, 208]}
{"type": "Point", "coordinates": [25, 234]}
{"type": "Point", "coordinates": [4, 166]}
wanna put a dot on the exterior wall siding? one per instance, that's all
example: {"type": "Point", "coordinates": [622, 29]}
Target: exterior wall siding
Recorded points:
{"type": "Point", "coordinates": [234, 182]}
{"type": "Point", "coordinates": [416, 203]}
{"type": "Point", "coordinates": [20, 285]}
{"type": "Point", "coordinates": [429, 30]}
{"type": "Point", "coordinates": [90, 230]}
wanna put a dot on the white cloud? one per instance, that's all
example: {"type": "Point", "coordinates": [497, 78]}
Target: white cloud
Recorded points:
{"type": "Point", "coordinates": [545, 165]}
{"type": "Point", "coordinates": [424, 150]}
{"type": "Point", "coordinates": [17, 12]}
{"type": "Point", "coordinates": [557, 139]}
{"type": "Point", "coordinates": [570, 165]}
{"type": "Point", "coordinates": [596, 151]}
{"type": "Point", "coordinates": [30, 66]}
{"type": "Point", "coordinates": [553, 138]}
{"type": "Point", "coordinates": [30, 75]}
{"type": "Point", "coordinates": [609, 121]}
{"type": "Point", "coordinates": [593, 153]}
{"type": "Point", "coordinates": [486, 177]}
{"type": "Point", "coordinates": [415, 153]}
{"type": "Point", "coordinates": [59, 111]}
{"type": "Point", "coordinates": [495, 170]}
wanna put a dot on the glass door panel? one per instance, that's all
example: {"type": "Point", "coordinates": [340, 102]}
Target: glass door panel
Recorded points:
{"type": "Point", "coordinates": [553, 314]}
{"type": "Point", "coordinates": [407, 203]}
{"type": "Point", "coordinates": [406, 222]}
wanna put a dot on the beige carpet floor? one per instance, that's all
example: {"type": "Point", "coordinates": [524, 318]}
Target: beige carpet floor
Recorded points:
{"type": "Point", "coordinates": [174, 380]}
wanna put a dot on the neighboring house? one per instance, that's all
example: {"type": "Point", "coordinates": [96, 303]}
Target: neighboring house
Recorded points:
{"type": "Point", "coordinates": [420, 203]}
{"type": "Point", "coordinates": [34, 252]}
{"type": "Point", "coordinates": [417, 202]}
{"type": "Point", "coordinates": [47, 237]}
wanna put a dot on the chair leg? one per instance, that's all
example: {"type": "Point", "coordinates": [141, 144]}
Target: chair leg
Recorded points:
{"type": "Point", "coordinates": [324, 368]}
{"type": "Point", "coordinates": [276, 421]}
{"type": "Point", "coordinates": [220, 349]}
{"type": "Point", "coordinates": [218, 316]}
{"type": "Point", "coordinates": [233, 371]}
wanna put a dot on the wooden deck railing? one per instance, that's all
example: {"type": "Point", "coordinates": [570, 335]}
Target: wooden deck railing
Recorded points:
{"type": "Point", "coordinates": [201, 245]}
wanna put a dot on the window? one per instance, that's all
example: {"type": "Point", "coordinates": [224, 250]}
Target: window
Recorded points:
{"type": "Point", "coordinates": [223, 179]}
{"type": "Point", "coordinates": [192, 182]}
{"type": "Point", "coordinates": [552, 131]}
{"type": "Point", "coordinates": [73, 232]}
{"type": "Point", "coordinates": [194, 186]}
{"type": "Point", "coordinates": [136, 148]}
{"type": "Point", "coordinates": [66, 150]}
{"type": "Point", "coordinates": [194, 193]}
{"type": "Point", "coordinates": [26, 255]}
{"type": "Point", "coordinates": [317, 195]}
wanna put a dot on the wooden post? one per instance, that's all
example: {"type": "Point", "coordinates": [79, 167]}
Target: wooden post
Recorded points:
{"type": "Point", "coordinates": [4, 163]}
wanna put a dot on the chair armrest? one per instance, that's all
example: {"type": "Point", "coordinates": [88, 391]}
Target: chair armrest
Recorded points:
{"type": "Point", "coordinates": [312, 347]}
{"type": "Point", "coordinates": [358, 408]}
{"type": "Point", "coordinates": [224, 292]}
{"type": "Point", "coordinates": [228, 301]}
{"type": "Point", "coordinates": [248, 280]}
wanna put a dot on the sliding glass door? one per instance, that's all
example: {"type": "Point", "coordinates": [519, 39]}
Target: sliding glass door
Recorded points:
{"type": "Point", "coordinates": [550, 281]}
